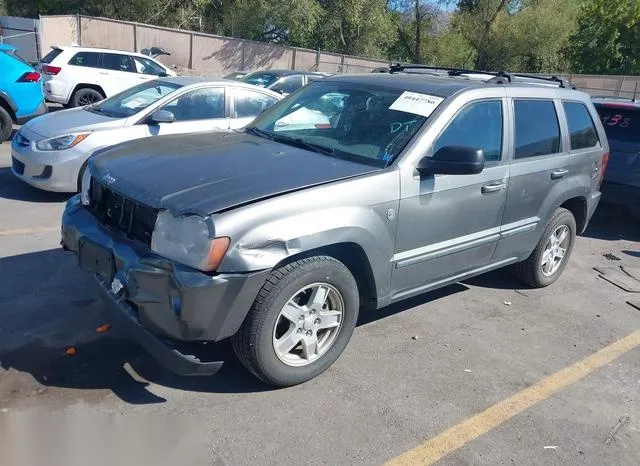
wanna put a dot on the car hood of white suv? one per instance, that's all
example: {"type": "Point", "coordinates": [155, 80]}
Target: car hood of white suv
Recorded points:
{"type": "Point", "coordinates": [71, 121]}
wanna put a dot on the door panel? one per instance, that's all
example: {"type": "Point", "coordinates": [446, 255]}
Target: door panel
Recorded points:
{"type": "Point", "coordinates": [540, 175]}
{"type": "Point", "coordinates": [198, 110]}
{"type": "Point", "coordinates": [450, 224]}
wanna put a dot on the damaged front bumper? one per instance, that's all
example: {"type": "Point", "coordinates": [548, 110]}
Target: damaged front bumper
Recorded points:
{"type": "Point", "coordinates": [157, 300]}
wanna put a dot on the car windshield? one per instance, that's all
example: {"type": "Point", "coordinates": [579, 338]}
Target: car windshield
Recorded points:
{"type": "Point", "coordinates": [365, 124]}
{"type": "Point", "coordinates": [134, 99]}
{"type": "Point", "coordinates": [620, 123]}
{"type": "Point", "coordinates": [260, 78]}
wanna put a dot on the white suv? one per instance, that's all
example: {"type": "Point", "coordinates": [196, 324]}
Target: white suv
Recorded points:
{"type": "Point", "coordinates": [78, 76]}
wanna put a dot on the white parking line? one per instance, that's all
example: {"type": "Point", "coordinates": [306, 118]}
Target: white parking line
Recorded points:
{"type": "Point", "coordinates": [28, 231]}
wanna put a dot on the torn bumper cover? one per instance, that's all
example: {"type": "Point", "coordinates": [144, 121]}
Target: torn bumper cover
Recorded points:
{"type": "Point", "coordinates": [157, 300]}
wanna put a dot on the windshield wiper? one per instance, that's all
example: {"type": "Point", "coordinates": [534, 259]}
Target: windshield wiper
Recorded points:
{"type": "Point", "coordinates": [102, 111]}
{"type": "Point", "coordinates": [305, 145]}
{"type": "Point", "coordinates": [259, 132]}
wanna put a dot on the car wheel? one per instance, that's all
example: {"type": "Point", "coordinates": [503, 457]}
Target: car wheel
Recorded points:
{"type": "Point", "coordinates": [6, 124]}
{"type": "Point", "coordinates": [300, 322]}
{"type": "Point", "coordinates": [550, 257]}
{"type": "Point", "coordinates": [86, 96]}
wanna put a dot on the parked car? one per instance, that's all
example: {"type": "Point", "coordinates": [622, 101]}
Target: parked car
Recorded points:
{"type": "Point", "coordinates": [51, 152]}
{"type": "Point", "coordinates": [621, 121]}
{"type": "Point", "coordinates": [77, 76]}
{"type": "Point", "coordinates": [277, 238]}
{"type": "Point", "coordinates": [21, 96]}
{"type": "Point", "coordinates": [282, 81]}
{"type": "Point", "coordinates": [235, 75]}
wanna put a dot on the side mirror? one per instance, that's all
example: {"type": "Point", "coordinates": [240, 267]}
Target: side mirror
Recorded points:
{"type": "Point", "coordinates": [453, 160]}
{"type": "Point", "coordinates": [162, 116]}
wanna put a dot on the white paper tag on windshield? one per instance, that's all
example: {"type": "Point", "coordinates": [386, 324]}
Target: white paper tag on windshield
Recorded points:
{"type": "Point", "coordinates": [416, 103]}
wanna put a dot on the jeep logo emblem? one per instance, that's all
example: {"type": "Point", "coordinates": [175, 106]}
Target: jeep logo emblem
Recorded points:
{"type": "Point", "coordinates": [108, 178]}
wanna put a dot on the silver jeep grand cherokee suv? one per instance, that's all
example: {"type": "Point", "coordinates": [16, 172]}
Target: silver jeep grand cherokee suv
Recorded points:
{"type": "Point", "coordinates": [353, 193]}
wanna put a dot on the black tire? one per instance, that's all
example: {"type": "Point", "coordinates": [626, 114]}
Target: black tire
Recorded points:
{"type": "Point", "coordinates": [530, 270]}
{"type": "Point", "coordinates": [85, 96]}
{"type": "Point", "coordinates": [253, 343]}
{"type": "Point", "coordinates": [6, 125]}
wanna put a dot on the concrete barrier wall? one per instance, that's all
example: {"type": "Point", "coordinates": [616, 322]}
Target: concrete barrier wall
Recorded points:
{"type": "Point", "coordinates": [107, 34]}
{"type": "Point", "coordinates": [57, 30]}
{"type": "Point", "coordinates": [206, 54]}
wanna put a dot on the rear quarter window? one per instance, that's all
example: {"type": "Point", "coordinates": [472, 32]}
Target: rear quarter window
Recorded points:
{"type": "Point", "coordinates": [581, 128]}
{"type": "Point", "coordinates": [620, 124]}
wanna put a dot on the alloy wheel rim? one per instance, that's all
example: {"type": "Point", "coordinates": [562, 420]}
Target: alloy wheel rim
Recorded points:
{"type": "Point", "coordinates": [88, 99]}
{"type": "Point", "coordinates": [308, 324]}
{"type": "Point", "coordinates": [555, 250]}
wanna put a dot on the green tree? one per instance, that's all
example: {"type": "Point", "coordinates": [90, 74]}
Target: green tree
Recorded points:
{"type": "Point", "coordinates": [607, 39]}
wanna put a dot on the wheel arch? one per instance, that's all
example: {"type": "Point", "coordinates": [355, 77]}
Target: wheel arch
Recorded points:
{"type": "Point", "coordinates": [578, 207]}
{"type": "Point", "coordinates": [353, 256]}
{"type": "Point", "coordinates": [95, 87]}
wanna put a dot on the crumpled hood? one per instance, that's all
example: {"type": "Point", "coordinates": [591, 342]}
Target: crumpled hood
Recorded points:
{"type": "Point", "coordinates": [207, 173]}
{"type": "Point", "coordinates": [68, 121]}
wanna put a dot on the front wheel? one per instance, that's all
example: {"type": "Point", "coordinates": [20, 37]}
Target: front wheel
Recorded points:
{"type": "Point", "coordinates": [300, 322]}
{"type": "Point", "coordinates": [547, 261]}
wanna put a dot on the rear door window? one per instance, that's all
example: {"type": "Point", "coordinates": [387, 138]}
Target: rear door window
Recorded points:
{"type": "Point", "coordinates": [52, 55]}
{"type": "Point", "coordinates": [88, 59]}
{"type": "Point", "coordinates": [250, 104]}
{"type": "Point", "coordinates": [620, 124]}
{"type": "Point", "coordinates": [581, 129]}
{"type": "Point", "coordinates": [537, 128]}
{"type": "Point", "coordinates": [118, 62]}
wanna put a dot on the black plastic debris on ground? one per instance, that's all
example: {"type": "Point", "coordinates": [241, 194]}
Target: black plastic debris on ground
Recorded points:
{"type": "Point", "coordinates": [611, 257]}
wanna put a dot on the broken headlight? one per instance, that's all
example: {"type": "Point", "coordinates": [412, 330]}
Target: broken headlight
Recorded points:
{"type": "Point", "coordinates": [189, 240]}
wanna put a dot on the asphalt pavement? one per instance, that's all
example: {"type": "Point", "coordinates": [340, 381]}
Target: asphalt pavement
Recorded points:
{"type": "Point", "coordinates": [425, 369]}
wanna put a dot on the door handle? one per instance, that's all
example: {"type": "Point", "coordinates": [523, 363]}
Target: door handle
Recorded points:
{"type": "Point", "coordinates": [103, 73]}
{"type": "Point", "coordinates": [557, 174]}
{"type": "Point", "coordinates": [493, 188]}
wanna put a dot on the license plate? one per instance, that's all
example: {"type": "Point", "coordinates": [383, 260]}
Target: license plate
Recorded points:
{"type": "Point", "coordinates": [96, 259]}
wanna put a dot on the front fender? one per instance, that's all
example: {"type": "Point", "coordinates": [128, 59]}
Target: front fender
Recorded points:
{"type": "Point", "coordinates": [268, 244]}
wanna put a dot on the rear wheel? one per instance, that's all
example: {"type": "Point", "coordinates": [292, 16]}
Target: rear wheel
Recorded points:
{"type": "Point", "coordinates": [86, 96]}
{"type": "Point", "coordinates": [6, 124]}
{"type": "Point", "coordinates": [547, 261]}
{"type": "Point", "coordinates": [300, 322]}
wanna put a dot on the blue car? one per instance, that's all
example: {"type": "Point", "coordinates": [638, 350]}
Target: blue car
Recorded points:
{"type": "Point", "coordinates": [21, 96]}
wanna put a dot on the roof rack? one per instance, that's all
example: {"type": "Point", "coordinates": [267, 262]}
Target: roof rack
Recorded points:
{"type": "Point", "coordinates": [499, 77]}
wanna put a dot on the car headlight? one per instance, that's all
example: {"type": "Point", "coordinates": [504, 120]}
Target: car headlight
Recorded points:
{"type": "Point", "coordinates": [188, 240]}
{"type": "Point", "coordinates": [85, 185]}
{"type": "Point", "coordinates": [62, 142]}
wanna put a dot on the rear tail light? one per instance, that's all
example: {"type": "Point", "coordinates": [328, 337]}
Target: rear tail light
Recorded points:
{"type": "Point", "coordinates": [603, 165]}
{"type": "Point", "coordinates": [52, 70]}
{"type": "Point", "coordinates": [30, 77]}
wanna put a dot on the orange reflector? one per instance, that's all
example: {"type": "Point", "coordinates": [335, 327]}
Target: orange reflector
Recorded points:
{"type": "Point", "coordinates": [216, 253]}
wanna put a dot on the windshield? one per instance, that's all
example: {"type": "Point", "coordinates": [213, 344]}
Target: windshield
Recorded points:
{"type": "Point", "coordinates": [134, 99]}
{"type": "Point", "coordinates": [620, 124]}
{"type": "Point", "coordinates": [366, 124]}
{"type": "Point", "coordinates": [260, 78]}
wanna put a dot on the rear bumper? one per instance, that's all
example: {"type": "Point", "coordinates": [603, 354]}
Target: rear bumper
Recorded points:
{"type": "Point", "coordinates": [41, 110]}
{"type": "Point", "coordinates": [156, 299]}
{"type": "Point", "coordinates": [623, 195]}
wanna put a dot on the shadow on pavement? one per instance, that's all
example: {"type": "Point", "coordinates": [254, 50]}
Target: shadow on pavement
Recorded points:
{"type": "Point", "coordinates": [13, 188]}
{"type": "Point", "coordinates": [612, 223]}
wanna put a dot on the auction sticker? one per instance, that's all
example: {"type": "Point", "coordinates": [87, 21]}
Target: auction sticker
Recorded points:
{"type": "Point", "coordinates": [416, 103]}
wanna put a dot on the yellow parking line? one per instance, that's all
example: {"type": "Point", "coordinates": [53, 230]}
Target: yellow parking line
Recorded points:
{"type": "Point", "coordinates": [28, 231]}
{"type": "Point", "coordinates": [459, 435]}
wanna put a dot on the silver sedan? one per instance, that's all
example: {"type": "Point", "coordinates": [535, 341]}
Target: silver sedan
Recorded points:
{"type": "Point", "coordinates": [50, 152]}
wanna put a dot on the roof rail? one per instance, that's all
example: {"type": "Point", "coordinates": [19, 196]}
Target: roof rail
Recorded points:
{"type": "Point", "coordinates": [499, 77]}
